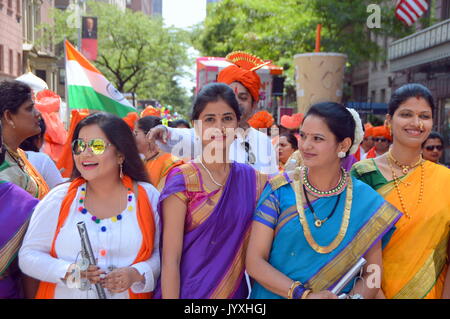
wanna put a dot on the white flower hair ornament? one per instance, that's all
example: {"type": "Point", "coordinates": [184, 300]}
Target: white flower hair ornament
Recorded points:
{"type": "Point", "coordinates": [359, 132]}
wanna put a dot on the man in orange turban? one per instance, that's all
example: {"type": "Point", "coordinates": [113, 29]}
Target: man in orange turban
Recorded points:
{"type": "Point", "coordinates": [366, 144]}
{"type": "Point", "coordinates": [251, 146]}
{"type": "Point", "coordinates": [382, 140]}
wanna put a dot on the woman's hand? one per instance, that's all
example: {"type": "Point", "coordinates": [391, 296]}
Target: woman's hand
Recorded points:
{"type": "Point", "coordinates": [121, 279]}
{"type": "Point", "coordinates": [93, 274]}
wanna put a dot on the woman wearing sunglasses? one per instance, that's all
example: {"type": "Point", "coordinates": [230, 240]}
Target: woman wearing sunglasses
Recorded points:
{"type": "Point", "coordinates": [20, 120]}
{"type": "Point", "coordinates": [207, 206]}
{"type": "Point", "coordinates": [111, 194]}
{"type": "Point", "coordinates": [433, 147]}
{"type": "Point", "coordinates": [415, 260]}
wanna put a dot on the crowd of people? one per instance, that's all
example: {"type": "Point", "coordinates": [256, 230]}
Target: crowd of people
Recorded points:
{"type": "Point", "coordinates": [216, 208]}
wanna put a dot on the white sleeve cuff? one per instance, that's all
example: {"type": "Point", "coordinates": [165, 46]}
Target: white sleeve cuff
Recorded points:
{"type": "Point", "coordinates": [148, 284]}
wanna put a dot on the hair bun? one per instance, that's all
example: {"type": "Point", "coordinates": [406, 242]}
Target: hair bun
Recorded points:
{"type": "Point", "coordinates": [359, 132]}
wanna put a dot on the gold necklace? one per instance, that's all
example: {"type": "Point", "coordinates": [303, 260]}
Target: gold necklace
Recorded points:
{"type": "Point", "coordinates": [405, 168]}
{"type": "Point", "coordinates": [306, 230]}
{"type": "Point", "coordinates": [397, 186]}
{"type": "Point", "coordinates": [16, 157]}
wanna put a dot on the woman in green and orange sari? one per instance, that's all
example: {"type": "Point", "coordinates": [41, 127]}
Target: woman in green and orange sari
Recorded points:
{"type": "Point", "coordinates": [157, 163]}
{"type": "Point", "coordinates": [20, 120]}
{"type": "Point", "coordinates": [415, 260]}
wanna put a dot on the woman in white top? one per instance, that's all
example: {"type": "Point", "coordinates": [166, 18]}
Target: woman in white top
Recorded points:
{"type": "Point", "coordinates": [110, 193]}
{"type": "Point", "coordinates": [41, 161]}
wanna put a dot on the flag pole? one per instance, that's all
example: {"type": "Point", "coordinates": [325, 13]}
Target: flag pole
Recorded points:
{"type": "Point", "coordinates": [65, 87]}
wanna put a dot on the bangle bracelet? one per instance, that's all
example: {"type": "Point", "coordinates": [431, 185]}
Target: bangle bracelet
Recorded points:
{"type": "Point", "coordinates": [306, 293]}
{"type": "Point", "coordinates": [298, 292]}
{"type": "Point", "coordinates": [291, 289]}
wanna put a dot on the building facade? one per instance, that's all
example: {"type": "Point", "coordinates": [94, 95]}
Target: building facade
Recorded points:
{"type": "Point", "coordinates": [38, 56]}
{"type": "Point", "coordinates": [11, 53]}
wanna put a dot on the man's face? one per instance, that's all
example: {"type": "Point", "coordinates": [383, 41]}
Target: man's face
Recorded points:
{"type": "Point", "coordinates": [245, 99]}
{"type": "Point", "coordinates": [90, 24]}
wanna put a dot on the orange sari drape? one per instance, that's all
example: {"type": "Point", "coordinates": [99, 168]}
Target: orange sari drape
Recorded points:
{"type": "Point", "coordinates": [158, 168]}
{"type": "Point", "coordinates": [145, 219]}
{"type": "Point", "coordinates": [414, 261]}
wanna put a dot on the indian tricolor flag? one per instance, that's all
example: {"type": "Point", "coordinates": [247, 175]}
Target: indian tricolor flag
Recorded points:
{"type": "Point", "coordinates": [87, 88]}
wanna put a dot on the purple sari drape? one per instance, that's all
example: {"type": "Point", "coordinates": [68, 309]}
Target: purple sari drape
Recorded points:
{"type": "Point", "coordinates": [16, 206]}
{"type": "Point", "coordinates": [213, 255]}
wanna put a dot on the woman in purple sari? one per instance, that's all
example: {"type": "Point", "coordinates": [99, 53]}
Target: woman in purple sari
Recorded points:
{"type": "Point", "coordinates": [16, 206]}
{"type": "Point", "coordinates": [206, 208]}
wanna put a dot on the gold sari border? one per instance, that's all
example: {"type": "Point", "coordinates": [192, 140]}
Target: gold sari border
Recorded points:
{"type": "Point", "coordinates": [230, 282]}
{"type": "Point", "coordinates": [424, 280]}
{"type": "Point", "coordinates": [9, 251]}
{"type": "Point", "coordinates": [374, 229]}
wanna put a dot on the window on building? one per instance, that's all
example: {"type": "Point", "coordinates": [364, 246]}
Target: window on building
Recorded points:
{"type": "Point", "coordinates": [19, 64]}
{"type": "Point", "coordinates": [445, 10]}
{"type": "Point", "coordinates": [372, 96]}
{"type": "Point", "coordinates": [11, 62]}
{"type": "Point", "coordinates": [2, 59]}
{"type": "Point", "coordinates": [10, 7]}
{"type": "Point", "coordinates": [383, 96]}
{"type": "Point", "coordinates": [42, 74]}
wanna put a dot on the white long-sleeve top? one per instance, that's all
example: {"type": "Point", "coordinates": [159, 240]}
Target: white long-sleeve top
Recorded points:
{"type": "Point", "coordinates": [46, 167]}
{"type": "Point", "coordinates": [184, 143]}
{"type": "Point", "coordinates": [121, 241]}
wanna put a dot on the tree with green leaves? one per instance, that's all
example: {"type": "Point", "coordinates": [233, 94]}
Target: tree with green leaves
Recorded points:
{"type": "Point", "coordinates": [137, 53]}
{"type": "Point", "coordinates": [279, 29]}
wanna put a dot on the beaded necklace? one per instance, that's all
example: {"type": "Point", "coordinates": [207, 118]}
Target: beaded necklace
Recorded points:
{"type": "Point", "coordinates": [318, 193]}
{"type": "Point", "coordinates": [397, 185]}
{"type": "Point", "coordinates": [82, 209]}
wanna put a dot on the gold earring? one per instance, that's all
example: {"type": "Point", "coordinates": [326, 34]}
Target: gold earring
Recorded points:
{"type": "Point", "coordinates": [121, 171]}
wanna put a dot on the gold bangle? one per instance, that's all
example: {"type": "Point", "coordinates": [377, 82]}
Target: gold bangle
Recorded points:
{"type": "Point", "coordinates": [293, 286]}
{"type": "Point", "coordinates": [306, 293]}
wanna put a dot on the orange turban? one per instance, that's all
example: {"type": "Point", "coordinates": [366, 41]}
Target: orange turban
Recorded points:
{"type": "Point", "coordinates": [292, 122]}
{"type": "Point", "coordinates": [261, 119]}
{"type": "Point", "coordinates": [150, 111]}
{"type": "Point", "coordinates": [243, 70]}
{"type": "Point", "coordinates": [381, 131]}
{"type": "Point", "coordinates": [131, 119]}
{"type": "Point", "coordinates": [368, 132]}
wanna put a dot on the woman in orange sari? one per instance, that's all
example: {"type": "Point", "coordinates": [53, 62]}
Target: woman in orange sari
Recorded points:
{"type": "Point", "coordinates": [157, 163]}
{"type": "Point", "coordinates": [415, 260]}
{"type": "Point", "coordinates": [20, 120]}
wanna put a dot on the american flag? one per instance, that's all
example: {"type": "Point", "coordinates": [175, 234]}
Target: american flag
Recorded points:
{"type": "Point", "coordinates": [409, 11]}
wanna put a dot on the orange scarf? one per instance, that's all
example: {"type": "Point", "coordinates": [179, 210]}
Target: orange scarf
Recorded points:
{"type": "Point", "coordinates": [158, 168]}
{"type": "Point", "coordinates": [35, 175]}
{"type": "Point", "coordinates": [145, 219]}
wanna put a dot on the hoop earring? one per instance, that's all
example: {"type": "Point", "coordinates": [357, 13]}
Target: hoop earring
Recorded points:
{"type": "Point", "coordinates": [121, 171]}
{"type": "Point", "coordinates": [341, 154]}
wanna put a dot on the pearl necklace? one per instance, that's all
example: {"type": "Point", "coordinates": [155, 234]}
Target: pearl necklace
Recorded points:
{"type": "Point", "coordinates": [318, 193]}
